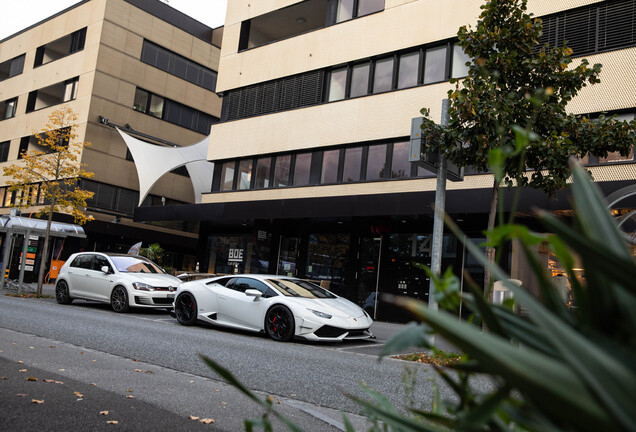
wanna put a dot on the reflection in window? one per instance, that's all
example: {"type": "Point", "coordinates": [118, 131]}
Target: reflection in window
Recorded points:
{"type": "Point", "coordinates": [383, 75]}
{"type": "Point", "coordinates": [8, 108]}
{"type": "Point", "coordinates": [263, 167]}
{"type": "Point", "coordinates": [337, 84]}
{"type": "Point", "coordinates": [302, 169]}
{"type": "Point", "coordinates": [352, 162]}
{"type": "Point", "coordinates": [156, 106]}
{"type": "Point", "coordinates": [329, 172]}
{"type": "Point", "coordinates": [408, 68]}
{"type": "Point", "coordinates": [345, 10]}
{"type": "Point", "coordinates": [366, 7]}
{"type": "Point", "coordinates": [360, 80]}
{"type": "Point", "coordinates": [400, 165]}
{"type": "Point", "coordinates": [460, 59]}
{"type": "Point", "coordinates": [141, 100]}
{"type": "Point", "coordinates": [376, 162]}
{"type": "Point", "coordinates": [326, 259]}
{"type": "Point", "coordinates": [227, 176]}
{"type": "Point", "coordinates": [245, 174]}
{"type": "Point", "coordinates": [435, 65]}
{"type": "Point", "coordinates": [281, 171]}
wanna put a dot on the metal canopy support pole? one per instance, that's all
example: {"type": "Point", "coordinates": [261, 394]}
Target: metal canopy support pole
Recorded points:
{"type": "Point", "coordinates": [8, 242]}
{"type": "Point", "coordinates": [438, 221]}
{"type": "Point", "coordinates": [25, 248]}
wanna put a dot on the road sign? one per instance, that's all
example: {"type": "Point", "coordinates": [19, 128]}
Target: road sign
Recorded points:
{"type": "Point", "coordinates": [429, 159]}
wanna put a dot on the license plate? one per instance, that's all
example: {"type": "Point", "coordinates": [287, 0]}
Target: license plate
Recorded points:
{"type": "Point", "coordinates": [170, 296]}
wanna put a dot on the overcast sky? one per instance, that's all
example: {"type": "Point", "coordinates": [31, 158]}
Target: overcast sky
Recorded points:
{"type": "Point", "coordinates": [18, 14]}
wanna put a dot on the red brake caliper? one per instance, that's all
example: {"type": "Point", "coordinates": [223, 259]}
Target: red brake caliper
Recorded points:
{"type": "Point", "coordinates": [274, 323]}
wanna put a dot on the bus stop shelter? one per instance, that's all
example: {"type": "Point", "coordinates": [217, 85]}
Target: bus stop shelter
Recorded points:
{"type": "Point", "coordinates": [15, 226]}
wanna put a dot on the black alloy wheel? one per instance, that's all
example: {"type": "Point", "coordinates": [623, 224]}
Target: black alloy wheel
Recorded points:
{"type": "Point", "coordinates": [185, 309]}
{"type": "Point", "coordinates": [279, 323]}
{"type": "Point", "coordinates": [119, 300]}
{"type": "Point", "coordinates": [61, 293]}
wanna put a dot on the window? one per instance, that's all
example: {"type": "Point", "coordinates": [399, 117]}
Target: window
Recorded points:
{"type": "Point", "coordinates": [60, 48]}
{"type": "Point", "coordinates": [4, 150]}
{"type": "Point", "coordinates": [178, 66]}
{"type": "Point", "coordinates": [383, 75]}
{"type": "Point", "coordinates": [53, 95]}
{"type": "Point", "coordinates": [329, 172]}
{"type": "Point", "coordinates": [366, 7]}
{"type": "Point", "coordinates": [459, 68]}
{"type": "Point", "coordinates": [345, 10]}
{"type": "Point", "coordinates": [281, 171]}
{"type": "Point", "coordinates": [376, 162]}
{"type": "Point", "coordinates": [337, 84]}
{"type": "Point", "coordinates": [408, 70]}
{"type": "Point", "coordinates": [348, 9]}
{"type": "Point", "coordinates": [435, 65]}
{"type": "Point", "coordinates": [227, 176]}
{"type": "Point", "coordinates": [12, 67]}
{"type": "Point", "coordinates": [173, 112]}
{"type": "Point", "coordinates": [263, 168]}
{"type": "Point", "coordinates": [302, 169]}
{"type": "Point", "coordinates": [400, 165]}
{"type": "Point", "coordinates": [245, 174]}
{"type": "Point", "coordinates": [360, 80]}
{"type": "Point", "coordinates": [8, 108]}
{"type": "Point", "coordinates": [352, 164]}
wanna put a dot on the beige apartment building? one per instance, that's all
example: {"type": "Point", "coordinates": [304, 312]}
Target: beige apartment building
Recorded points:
{"type": "Point", "coordinates": [312, 176]}
{"type": "Point", "coordinates": [136, 64]}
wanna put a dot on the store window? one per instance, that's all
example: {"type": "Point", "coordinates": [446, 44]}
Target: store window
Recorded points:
{"type": "Point", "coordinates": [241, 253]}
{"type": "Point", "coordinates": [326, 260]}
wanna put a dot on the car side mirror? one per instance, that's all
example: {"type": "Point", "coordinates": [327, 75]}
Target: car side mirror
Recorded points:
{"type": "Point", "coordinates": [106, 269]}
{"type": "Point", "coordinates": [253, 293]}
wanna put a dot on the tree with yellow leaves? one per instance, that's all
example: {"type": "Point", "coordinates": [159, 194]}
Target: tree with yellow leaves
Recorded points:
{"type": "Point", "coordinates": [55, 169]}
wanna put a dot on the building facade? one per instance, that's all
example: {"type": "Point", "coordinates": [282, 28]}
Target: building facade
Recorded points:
{"type": "Point", "coordinates": [137, 64]}
{"type": "Point", "coordinates": [312, 176]}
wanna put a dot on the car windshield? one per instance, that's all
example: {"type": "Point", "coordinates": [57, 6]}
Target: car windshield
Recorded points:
{"type": "Point", "coordinates": [299, 288]}
{"type": "Point", "coordinates": [133, 264]}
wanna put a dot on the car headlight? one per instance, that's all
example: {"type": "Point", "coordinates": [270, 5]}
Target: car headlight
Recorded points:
{"type": "Point", "coordinates": [142, 286]}
{"type": "Point", "coordinates": [320, 314]}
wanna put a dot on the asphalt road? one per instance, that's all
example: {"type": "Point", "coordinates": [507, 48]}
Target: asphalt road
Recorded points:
{"type": "Point", "coordinates": [150, 353]}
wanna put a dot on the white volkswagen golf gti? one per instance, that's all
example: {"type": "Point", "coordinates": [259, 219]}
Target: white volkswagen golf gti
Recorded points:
{"type": "Point", "coordinates": [124, 281]}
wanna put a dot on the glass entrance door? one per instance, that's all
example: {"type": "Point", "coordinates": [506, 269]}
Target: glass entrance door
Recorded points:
{"type": "Point", "coordinates": [288, 254]}
{"type": "Point", "coordinates": [368, 275]}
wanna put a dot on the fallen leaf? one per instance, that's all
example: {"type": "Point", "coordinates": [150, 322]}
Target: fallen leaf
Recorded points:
{"type": "Point", "coordinates": [135, 360]}
{"type": "Point", "coordinates": [191, 382]}
{"type": "Point", "coordinates": [194, 417]}
{"type": "Point", "coordinates": [94, 360]}
{"type": "Point", "coordinates": [52, 346]}
{"type": "Point", "coordinates": [217, 391]}
{"type": "Point", "coordinates": [270, 398]}
{"type": "Point", "coordinates": [78, 394]}
{"type": "Point", "coordinates": [22, 395]}
{"type": "Point", "coordinates": [22, 370]}
{"type": "Point", "coordinates": [94, 385]}
{"type": "Point", "coordinates": [52, 381]}
{"type": "Point", "coordinates": [62, 370]}
{"type": "Point", "coordinates": [130, 397]}
{"type": "Point", "coordinates": [36, 401]}
{"type": "Point", "coordinates": [112, 422]}
{"type": "Point", "coordinates": [31, 347]}
{"type": "Point", "coordinates": [4, 378]}
{"type": "Point", "coordinates": [223, 403]}
{"type": "Point", "coordinates": [20, 362]}
{"type": "Point", "coordinates": [129, 390]}
{"type": "Point", "coordinates": [138, 370]}
{"type": "Point", "coordinates": [103, 413]}
{"type": "Point", "coordinates": [149, 372]}
{"type": "Point", "coordinates": [293, 395]}
{"type": "Point", "coordinates": [207, 420]}
{"type": "Point", "coordinates": [82, 353]}
{"type": "Point", "coordinates": [31, 379]}
{"type": "Point", "coordinates": [278, 402]}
